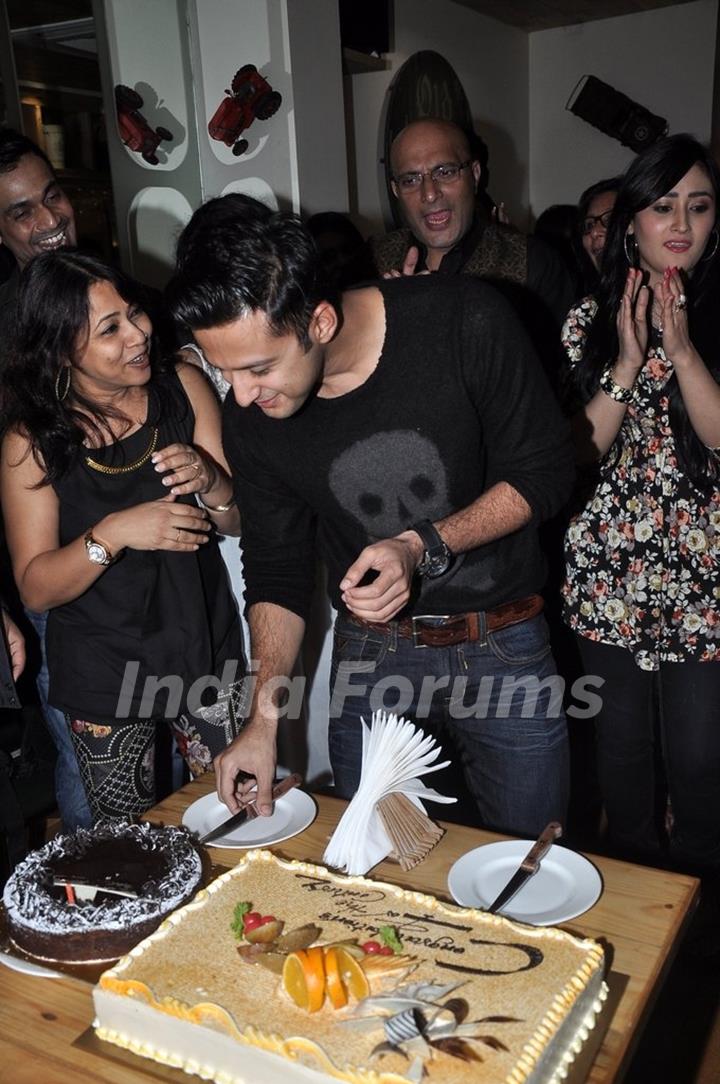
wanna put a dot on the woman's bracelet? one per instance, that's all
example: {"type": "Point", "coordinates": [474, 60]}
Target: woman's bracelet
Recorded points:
{"type": "Point", "coordinates": [614, 390]}
{"type": "Point", "coordinates": [218, 507]}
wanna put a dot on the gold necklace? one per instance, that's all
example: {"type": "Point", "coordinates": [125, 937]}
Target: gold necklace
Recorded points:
{"type": "Point", "coordinates": [129, 467]}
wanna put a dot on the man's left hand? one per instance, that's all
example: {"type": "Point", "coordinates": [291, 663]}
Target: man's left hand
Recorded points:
{"type": "Point", "coordinates": [395, 561]}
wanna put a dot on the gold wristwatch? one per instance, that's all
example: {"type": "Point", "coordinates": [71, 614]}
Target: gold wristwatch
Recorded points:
{"type": "Point", "coordinates": [97, 551]}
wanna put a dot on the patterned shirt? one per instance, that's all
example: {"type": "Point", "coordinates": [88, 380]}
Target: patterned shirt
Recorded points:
{"type": "Point", "coordinates": [642, 556]}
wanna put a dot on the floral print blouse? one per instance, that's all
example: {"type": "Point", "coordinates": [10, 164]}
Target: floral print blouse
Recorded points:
{"type": "Point", "coordinates": [642, 556]}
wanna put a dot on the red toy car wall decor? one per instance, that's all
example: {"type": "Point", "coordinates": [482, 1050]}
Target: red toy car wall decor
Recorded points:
{"type": "Point", "coordinates": [250, 97]}
{"type": "Point", "coordinates": [135, 131]}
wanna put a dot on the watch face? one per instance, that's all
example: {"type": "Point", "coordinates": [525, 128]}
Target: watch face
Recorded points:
{"type": "Point", "coordinates": [434, 564]}
{"type": "Point", "coordinates": [437, 565]}
{"type": "Point", "coordinates": [97, 553]}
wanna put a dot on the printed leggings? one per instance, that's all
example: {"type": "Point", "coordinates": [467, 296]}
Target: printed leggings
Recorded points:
{"type": "Point", "coordinates": [117, 761]}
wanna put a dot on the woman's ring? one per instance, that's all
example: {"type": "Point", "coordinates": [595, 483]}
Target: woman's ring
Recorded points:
{"type": "Point", "coordinates": [680, 302]}
{"type": "Point", "coordinates": [196, 465]}
{"type": "Point", "coordinates": [178, 533]}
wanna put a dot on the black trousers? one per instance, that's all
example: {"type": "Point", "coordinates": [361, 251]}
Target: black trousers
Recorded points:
{"type": "Point", "coordinates": [672, 717]}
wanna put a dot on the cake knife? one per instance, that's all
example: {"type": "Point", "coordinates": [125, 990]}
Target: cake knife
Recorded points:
{"type": "Point", "coordinates": [529, 865]}
{"type": "Point", "coordinates": [249, 812]}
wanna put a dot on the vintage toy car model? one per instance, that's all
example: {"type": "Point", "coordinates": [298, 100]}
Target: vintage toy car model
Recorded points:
{"type": "Point", "coordinates": [250, 97]}
{"type": "Point", "coordinates": [135, 131]}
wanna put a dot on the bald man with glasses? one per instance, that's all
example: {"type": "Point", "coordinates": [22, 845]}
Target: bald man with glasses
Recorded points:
{"type": "Point", "coordinates": [435, 180]}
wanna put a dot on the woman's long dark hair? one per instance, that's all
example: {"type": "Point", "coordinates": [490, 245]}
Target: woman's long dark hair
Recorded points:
{"type": "Point", "coordinates": [650, 176]}
{"type": "Point", "coordinates": [50, 320]}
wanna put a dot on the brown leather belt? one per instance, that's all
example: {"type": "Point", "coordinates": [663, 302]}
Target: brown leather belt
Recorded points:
{"type": "Point", "coordinates": [456, 628]}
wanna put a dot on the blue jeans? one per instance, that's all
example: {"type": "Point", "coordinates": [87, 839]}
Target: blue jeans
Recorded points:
{"type": "Point", "coordinates": [495, 706]}
{"type": "Point", "coordinates": [69, 791]}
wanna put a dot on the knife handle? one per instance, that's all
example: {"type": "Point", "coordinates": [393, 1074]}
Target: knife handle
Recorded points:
{"type": "Point", "coordinates": [542, 845]}
{"type": "Point", "coordinates": [286, 784]}
{"type": "Point", "coordinates": [279, 789]}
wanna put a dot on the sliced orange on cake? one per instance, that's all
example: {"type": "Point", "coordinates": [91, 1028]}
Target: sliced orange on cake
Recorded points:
{"type": "Point", "coordinates": [304, 978]}
{"type": "Point", "coordinates": [333, 980]}
{"type": "Point", "coordinates": [354, 978]}
{"type": "Point", "coordinates": [309, 974]}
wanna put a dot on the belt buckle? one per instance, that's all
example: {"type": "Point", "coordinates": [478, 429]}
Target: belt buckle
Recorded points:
{"type": "Point", "coordinates": [425, 617]}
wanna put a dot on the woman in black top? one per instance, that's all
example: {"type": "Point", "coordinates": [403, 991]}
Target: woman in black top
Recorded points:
{"type": "Point", "coordinates": [105, 452]}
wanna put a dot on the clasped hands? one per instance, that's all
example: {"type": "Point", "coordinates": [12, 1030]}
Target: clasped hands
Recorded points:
{"type": "Point", "coordinates": [669, 305]}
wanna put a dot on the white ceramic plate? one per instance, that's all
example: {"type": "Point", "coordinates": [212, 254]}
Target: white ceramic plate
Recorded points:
{"type": "Point", "coordinates": [292, 814]}
{"type": "Point", "coordinates": [17, 963]}
{"type": "Point", "coordinates": [565, 885]}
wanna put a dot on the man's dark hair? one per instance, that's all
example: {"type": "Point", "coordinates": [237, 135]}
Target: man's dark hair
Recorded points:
{"type": "Point", "coordinates": [14, 145]}
{"type": "Point", "coordinates": [237, 256]}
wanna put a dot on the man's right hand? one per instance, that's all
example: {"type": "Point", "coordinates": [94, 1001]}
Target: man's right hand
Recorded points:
{"type": "Point", "coordinates": [252, 756]}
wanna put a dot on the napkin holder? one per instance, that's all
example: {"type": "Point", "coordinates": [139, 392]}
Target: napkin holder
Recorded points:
{"type": "Point", "coordinates": [411, 832]}
{"type": "Point", "coordinates": [387, 812]}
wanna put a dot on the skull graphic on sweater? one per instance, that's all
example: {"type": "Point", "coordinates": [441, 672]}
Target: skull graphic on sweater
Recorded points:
{"type": "Point", "coordinates": [394, 479]}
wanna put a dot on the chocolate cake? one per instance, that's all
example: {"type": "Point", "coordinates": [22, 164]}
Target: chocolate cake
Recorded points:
{"type": "Point", "coordinates": [90, 896]}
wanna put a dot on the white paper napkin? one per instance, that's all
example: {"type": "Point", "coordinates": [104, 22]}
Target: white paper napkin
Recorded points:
{"type": "Point", "coordinates": [395, 754]}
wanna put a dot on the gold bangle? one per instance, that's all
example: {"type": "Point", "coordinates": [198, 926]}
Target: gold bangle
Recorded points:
{"type": "Point", "coordinates": [218, 507]}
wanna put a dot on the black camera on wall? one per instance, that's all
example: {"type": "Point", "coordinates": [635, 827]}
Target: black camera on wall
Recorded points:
{"type": "Point", "coordinates": [615, 114]}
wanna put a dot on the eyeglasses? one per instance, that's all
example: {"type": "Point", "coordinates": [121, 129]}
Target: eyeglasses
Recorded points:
{"type": "Point", "coordinates": [589, 223]}
{"type": "Point", "coordinates": [447, 173]}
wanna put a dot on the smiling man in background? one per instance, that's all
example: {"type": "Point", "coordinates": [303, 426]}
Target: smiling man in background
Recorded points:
{"type": "Point", "coordinates": [35, 214]}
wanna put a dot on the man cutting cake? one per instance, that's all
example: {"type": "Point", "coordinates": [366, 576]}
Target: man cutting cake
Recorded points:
{"type": "Point", "coordinates": [407, 436]}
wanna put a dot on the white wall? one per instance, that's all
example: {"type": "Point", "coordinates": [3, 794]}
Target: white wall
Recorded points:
{"type": "Point", "coordinates": [318, 115]}
{"type": "Point", "coordinates": [188, 52]}
{"type": "Point", "coordinates": [663, 59]}
{"type": "Point", "coordinates": [491, 61]}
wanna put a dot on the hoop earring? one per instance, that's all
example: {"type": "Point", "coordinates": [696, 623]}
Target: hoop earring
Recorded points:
{"type": "Point", "coordinates": [710, 255]}
{"type": "Point", "coordinates": [630, 256]}
{"type": "Point", "coordinates": [65, 369]}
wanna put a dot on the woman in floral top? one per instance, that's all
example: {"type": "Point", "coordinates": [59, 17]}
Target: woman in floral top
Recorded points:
{"type": "Point", "coordinates": [642, 587]}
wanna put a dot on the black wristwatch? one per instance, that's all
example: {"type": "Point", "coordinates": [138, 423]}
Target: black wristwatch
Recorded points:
{"type": "Point", "coordinates": [437, 557]}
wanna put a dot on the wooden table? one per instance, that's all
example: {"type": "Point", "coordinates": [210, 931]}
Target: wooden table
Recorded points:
{"type": "Point", "coordinates": [640, 919]}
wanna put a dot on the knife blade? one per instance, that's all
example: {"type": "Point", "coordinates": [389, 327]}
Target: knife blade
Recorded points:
{"type": "Point", "coordinates": [529, 866]}
{"type": "Point", "coordinates": [249, 812]}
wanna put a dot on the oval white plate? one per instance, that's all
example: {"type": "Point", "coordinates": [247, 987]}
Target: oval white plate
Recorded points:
{"type": "Point", "coordinates": [292, 814]}
{"type": "Point", "coordinates": [17, 963]}
{"type": "Point", "coordinates": [565, 885]}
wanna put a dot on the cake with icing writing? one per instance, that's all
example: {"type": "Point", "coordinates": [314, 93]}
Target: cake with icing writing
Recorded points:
{"type": "Point", "coordinates": [470, 997]}
{"type": "Point", "coordinates": [90, 895]}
